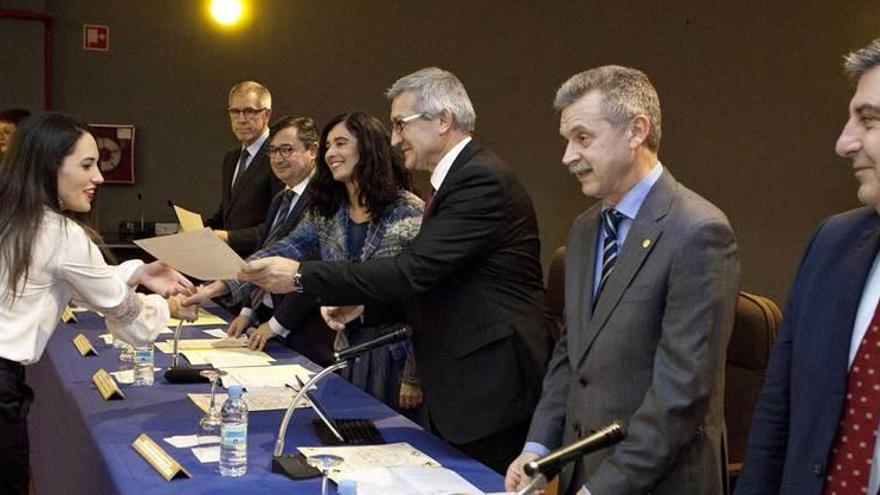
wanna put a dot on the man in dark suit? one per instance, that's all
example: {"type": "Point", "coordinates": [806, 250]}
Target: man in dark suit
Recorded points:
{"type": "Point", "coordinates": [472, 276]}
{"type": "Point", "coordinates": [248, 185]}
{"type": "Point", "coordinates": [815, 426]}
{"type": "Point", "coordinates": [293, 145]}
{"type": "Point", "coordinates": [650, 286]}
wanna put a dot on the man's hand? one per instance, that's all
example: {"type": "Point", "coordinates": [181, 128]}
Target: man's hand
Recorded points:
{"type": "Point", "coordinates": [275, 274]}
{"type": "Point", "coordinates": [259, 337]}
{"type": "Point", "coordinates": [238, 326]}
{"type": "Point", "coordinates": [223, 235]}
{"type": "Point", "coordinates": [181, 311]}
{"type": "Point", "coordinates": [516, 478]}
{"type": "Point", "coordinates": [410, 396]}
{"type": "Point", "coordinates": [161, 279]}
{"type": "Point", "coordinates": [336, 317]}
{"type": "Point", "coordinates": [205, 293]}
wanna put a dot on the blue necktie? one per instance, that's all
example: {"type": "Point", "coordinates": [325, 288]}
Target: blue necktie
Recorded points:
{"type": "Point", "coordinates": [611, 219]}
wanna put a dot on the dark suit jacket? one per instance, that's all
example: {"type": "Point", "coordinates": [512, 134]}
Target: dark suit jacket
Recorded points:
{"type": "Point", "coordinates": [798, 411]}
{"type": "Point", "coordinates": [309, 335]}
{"type": "Point", "coordinates": [243, 210]}
{"type": "Point", "coordinates": [651, 354]}
{"type": "Point", "coordinates": [473, 276]}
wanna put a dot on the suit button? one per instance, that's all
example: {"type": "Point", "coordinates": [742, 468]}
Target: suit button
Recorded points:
{"type": "Point", "coordinates": [817, 469]}
{"type": "Point", "coordinates": [582, 381]}
{"type": "Point", "coordinates": [577, 428]}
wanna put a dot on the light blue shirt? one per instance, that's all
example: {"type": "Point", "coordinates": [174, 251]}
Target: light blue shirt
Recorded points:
{"type": "Point", "coordinates": [629, 207]}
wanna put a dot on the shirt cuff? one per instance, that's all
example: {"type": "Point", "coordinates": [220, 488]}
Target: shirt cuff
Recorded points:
{"type": "Point", "coordinates": [247, 313]}
{"type": "Point", "coordinates": [536, 448]}
{"type": "Point", "coordinates": [278, 329]}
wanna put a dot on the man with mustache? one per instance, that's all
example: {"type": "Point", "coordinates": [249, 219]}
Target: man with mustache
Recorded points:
{"type": "Point", "coordinates": [651, 279]}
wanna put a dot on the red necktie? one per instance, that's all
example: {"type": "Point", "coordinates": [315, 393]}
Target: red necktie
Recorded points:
{"type": "Point", "coordinates": [849, 466]}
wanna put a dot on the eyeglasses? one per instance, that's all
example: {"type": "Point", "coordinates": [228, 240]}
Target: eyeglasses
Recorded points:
{"type": "Point", "coordinates": [246, 112]}
{"type": "Point", "coordinates": [285, 150]}
{"type": "Point", "coordinates": [397, 124]}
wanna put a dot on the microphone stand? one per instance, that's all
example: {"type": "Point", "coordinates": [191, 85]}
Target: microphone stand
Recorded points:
{"type": "Point", "coordinates": [288, 464]}
{"type": "Point", "coordinates": [291, 465]}
{"type": "Point", "coordinates": [178, 374]}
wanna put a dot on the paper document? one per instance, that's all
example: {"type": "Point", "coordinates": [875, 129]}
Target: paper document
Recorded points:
{"type": "Point", "coordinates": [264, 399]}
{"type": "Point", "coordinates": [216, 332]}
{"type": "Point", "coordinates": [187, 441]}
{"type": "Point", "coordinates": [370, 456]}
{"type": "Point", "coordinates": [204, 318]}
{"type": "Point", "coordinates": [207, 454]}
{"type": "Point", "coordinates": [189, 221]}
{"type": "Point", "coordinates": [262, 376]}
{"type": "Point", "coordinates": [410, 480]}
{"type": "Point", "coordinates": [235, 358]}
{"type": "Point", "coordinates": [200, 254]}
{"type": "Point", "coordinates": [206, 344]}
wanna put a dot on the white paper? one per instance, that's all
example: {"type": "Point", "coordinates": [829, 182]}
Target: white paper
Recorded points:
{"type": "Point", "coordinates": [410, 480]}
{"type": "Point", "coordinates": [216, 332]}
{"type": "Point", "coordinates": [187, 441]}
{"type": "Point", "coordinates": [127, 376]}
{"type": "Point", "coordinates": [370, 456]}
{"type": "Point", "coordinates": [207, 454]}
{"type": "Point", "coordinates": [264, 399]}
{"type": "Point", "coordinates": [235, 358]}
{"type": "Point", "coordinates": [200, 254]}
{"type": "Point", "coordinates": [202, 344]}
{"type": "Point", "coordinates": [261, 376]}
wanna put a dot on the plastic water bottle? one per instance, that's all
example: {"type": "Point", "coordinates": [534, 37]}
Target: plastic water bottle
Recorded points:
{"type": "Point", "coordinates": [233, 434]}
{"type": "Point", "coordinates": [143, 366]}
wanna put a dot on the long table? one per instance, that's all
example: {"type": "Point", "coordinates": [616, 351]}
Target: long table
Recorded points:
{"type": "Point", "coordinates": [81, 444]}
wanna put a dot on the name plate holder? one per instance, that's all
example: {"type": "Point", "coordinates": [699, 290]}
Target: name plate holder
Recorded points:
{"type": "Point", "coordinates": [84, 346]}
{"type": "Point", "coordinates": [156, 456]}
{"type": "Point", "coordinates": [107, 386]}
{"type": "Point", "coordinates": [67, 315]}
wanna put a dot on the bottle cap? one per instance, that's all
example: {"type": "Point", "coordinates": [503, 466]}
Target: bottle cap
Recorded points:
{"type": "Point", "coordinates": [346, 487]}
{"type": "Point", "coordinates": [234, 392]}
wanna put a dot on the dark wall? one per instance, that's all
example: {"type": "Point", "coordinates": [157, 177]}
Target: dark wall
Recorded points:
{"type": "Point", "coordinates": [752, 93]}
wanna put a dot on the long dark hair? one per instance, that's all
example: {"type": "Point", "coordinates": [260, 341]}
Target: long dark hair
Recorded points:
{"type": "Point", "coordinates": [29, 184]}
{"type": "Point", "coordinates": [379, 174]}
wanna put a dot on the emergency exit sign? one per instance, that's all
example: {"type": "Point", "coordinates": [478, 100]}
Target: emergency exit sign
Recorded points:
{"type": "Point", "coordinates": [96, 37]}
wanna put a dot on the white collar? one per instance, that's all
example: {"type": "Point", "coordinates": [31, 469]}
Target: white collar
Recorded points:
{"type": "Point", "coordinates": [439, 173]}
{"type": "Point", "coordinates": [256, 145]}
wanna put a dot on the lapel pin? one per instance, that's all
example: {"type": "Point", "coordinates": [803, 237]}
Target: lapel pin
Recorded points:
{"type": "Point", "coordinates": [646, 243]}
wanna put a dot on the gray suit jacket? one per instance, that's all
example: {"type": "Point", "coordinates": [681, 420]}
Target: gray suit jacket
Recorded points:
{"type": "Point", "coordinates": [651, 354]}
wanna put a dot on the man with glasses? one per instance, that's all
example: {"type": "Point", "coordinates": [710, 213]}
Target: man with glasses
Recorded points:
{"type": "Point", "coordinates": [293, 148]}
{"type": "Point", "coordinates": [472, 276]}
{"type": "Point", "coordinates": [248, 185]}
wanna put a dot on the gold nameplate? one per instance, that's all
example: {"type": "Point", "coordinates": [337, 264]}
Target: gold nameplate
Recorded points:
{"type": "Point", "coordinates": [161, 461]}
{"type": "Point", "coordinates": [84, 346]}
{"type": "Point", "coordinates": [107, 385]}
{"type": "Point", "coordinates": [67, 315]}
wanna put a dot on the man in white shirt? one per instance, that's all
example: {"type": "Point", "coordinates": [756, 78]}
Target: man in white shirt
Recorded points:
{"type": "Point", "coordinates": [248, 185]}
{"type": "Point", "coordinates": [815, 425]}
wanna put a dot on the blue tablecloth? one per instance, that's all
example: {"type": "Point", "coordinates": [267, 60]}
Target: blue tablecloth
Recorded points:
{"type": "Point", "coordinates": [81, 443]}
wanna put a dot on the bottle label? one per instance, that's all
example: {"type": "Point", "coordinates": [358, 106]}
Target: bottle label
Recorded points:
{"type": "Point", "coordinates": [143, 356]}
{"type": "Point", "coordinates": [234, 434]}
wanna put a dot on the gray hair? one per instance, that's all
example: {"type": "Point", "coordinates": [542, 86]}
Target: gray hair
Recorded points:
{"type": "Point", "coordinates": [246, 87]}
{"type": "Point", "coordinates": [860, 61]}
{"type": "Point", "coordinates": [626, 94]}
{"type": "Point", "coordinates": [437, 90]}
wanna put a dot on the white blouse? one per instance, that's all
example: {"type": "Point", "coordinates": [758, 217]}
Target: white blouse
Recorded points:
{"type": "Point", "coordinates": [67, 266]}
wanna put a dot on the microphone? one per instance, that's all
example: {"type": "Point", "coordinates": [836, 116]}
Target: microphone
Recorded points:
{"type": "Point", "coordinates": [141, 203]}
{"type": "Point", "coordinates": [180, 374]}
{"type": "Point", "coordinates": [384, 339]}
{"type": "Point", "coordinates": [552, 463]}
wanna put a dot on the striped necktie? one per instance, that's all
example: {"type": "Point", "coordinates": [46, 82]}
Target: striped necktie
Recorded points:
{"type": "Point", "coordinates": [611, 219]}
{"type": "Point", "coordinates": [241, 167]}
